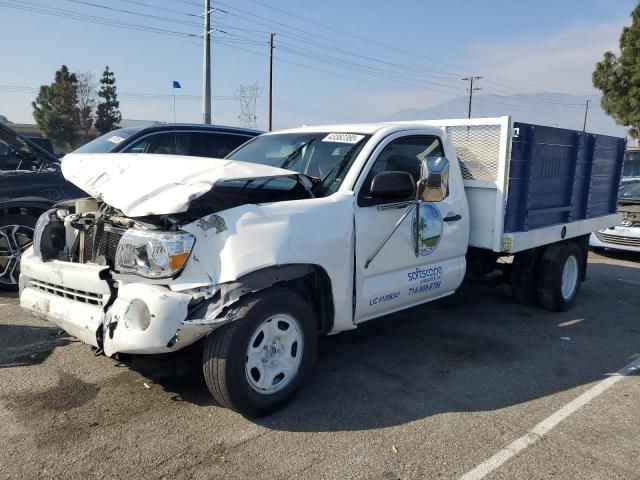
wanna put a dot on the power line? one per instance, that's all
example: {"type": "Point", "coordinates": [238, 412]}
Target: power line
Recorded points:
{"type": "Point", "coordinates": [412, 54]}
{"type": "Point", "coordinates": [349, 34]}
{"type": "Point", "coordinates": [130, 12]}
{"type": "Point", "coordinates": [58, 12]}
{"type": "Point", "coordinates": [156, 7]}
{"type": "Point", "coordinates": [412, 79]}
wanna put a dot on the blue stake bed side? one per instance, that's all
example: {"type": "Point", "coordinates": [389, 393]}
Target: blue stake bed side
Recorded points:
{"type": "Point", "coordinates": [546, 183]}
{"type": "Point", "coordinates": [559, 176]}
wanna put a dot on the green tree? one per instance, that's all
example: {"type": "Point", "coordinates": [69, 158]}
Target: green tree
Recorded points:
{"type": "Point", "coordinates": [56, 111]}
{"type": "Point", "coordinates": [108, 112]}
{"type": "Point", "coordinates": [618, 77]}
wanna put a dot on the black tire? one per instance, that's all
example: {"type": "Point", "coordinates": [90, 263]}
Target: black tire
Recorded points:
{"type": "Point", "coordinates": [225, 352]}
{"type": "Point", "coordinates": [552, 265]}
{"type": "Point", "coordinates": [9, 280]}
{"type": "Point", "coordinates": [524, 279]}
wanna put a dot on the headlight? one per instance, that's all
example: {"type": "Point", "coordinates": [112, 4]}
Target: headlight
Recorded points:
{"type": "Point", "coordinates": [152, 254]}
{"type": "Point", "coordinates": [48, 235]}
{"type": "Point", "coordinates": [42, 222]}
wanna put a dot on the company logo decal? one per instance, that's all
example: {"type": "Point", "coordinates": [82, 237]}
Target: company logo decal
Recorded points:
{"type": "Point", "coordinates": [429, 228]}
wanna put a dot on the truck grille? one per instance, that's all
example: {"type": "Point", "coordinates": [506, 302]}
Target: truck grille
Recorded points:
{"type": "Point", "coordinates": [107, 245]}
{"type": "Point", "coordinates": [70, 293]}
{"type": "Point", "coordinates": [618, 240]}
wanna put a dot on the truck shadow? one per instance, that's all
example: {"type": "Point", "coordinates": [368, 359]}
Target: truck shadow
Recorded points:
{"type": "Point", "coordinates": [477, 350]}
{"type": "Point", "coordinates": [25, 345]}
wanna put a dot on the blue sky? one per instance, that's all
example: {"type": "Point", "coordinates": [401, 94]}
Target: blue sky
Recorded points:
{"type": "Point", "coordinates": [413, 51]}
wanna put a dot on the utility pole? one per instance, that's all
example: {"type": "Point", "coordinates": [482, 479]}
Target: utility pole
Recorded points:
{"type": "Point", "coordinates": [586, 110]}
{"type": "Point", "coordinates": [206, 65]}
{"type": "Point", "coordinates": [271, 81]}
{"type": "Point", "coordinates": [471, 90]}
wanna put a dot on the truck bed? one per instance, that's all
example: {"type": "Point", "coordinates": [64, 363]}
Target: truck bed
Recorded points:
{"type": "Point", "coordinates": [530, 185]}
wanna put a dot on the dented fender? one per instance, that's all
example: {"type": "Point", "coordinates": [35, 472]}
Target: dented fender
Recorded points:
{"type": "Point", "coordinates": [236, 242]}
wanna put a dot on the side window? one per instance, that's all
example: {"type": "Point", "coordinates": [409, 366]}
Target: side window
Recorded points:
{"type": "Point", "coordinates": [219, 145]}
{"type": "Point", "coordinates": [165, 143]}
{"type": "Point", "coordinates": [405, 155]}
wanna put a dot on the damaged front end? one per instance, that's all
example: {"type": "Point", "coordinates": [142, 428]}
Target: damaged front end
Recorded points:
{"type": "Point", "coordinates": [110, 280]}
{"type": "Point", "coordinates": [151, 268]}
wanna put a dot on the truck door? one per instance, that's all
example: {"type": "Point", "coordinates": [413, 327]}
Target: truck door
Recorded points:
{"type": "Point", "coordinates": [395, 278]}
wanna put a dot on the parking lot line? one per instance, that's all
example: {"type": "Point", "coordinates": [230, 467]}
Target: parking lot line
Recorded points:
{"type": "Point", "coordinates": [542, 428]}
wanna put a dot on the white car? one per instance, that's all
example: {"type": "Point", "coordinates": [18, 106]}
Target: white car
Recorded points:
{"type": "Point", "coordinates": [625, 236]}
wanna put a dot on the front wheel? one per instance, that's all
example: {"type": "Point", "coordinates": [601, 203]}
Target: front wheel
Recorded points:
{"type": "Point", "coordinates": [254, 364]}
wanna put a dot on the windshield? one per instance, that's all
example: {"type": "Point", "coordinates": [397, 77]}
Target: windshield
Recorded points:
{"type": "Point", "coordinates": [629, 191]}
{"type": "Point", "coordinates": [16, 153]}
{"type": "Point", "coordinates": [326, 157]}
{"type": "Point", "coordinates": [108, 141]}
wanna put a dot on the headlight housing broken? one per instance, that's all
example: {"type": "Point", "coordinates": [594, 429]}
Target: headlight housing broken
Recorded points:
{"type": "Point", "coordinates": [153, 254]}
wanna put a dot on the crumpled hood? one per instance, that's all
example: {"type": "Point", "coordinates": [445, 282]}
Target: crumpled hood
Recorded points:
{"type": "Point", "coordinates": [148, 184]}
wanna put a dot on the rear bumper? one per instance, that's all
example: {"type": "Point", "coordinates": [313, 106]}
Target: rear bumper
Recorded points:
{"type": "Point", "coordinates": [133, 318]}
{"type": "Point", "coordinates": [614, 240]}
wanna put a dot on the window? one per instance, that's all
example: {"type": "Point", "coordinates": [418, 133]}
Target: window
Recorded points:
{"type": "Point", "coordinates": [219, 145]}
{"type": "Point", "coordinates": [405, 155]}
{"type": "Point", "coordinates": [165, 143]}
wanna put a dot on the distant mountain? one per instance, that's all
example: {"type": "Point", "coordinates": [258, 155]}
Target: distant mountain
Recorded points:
{"type": "Point", "coordinates": [554, 109]}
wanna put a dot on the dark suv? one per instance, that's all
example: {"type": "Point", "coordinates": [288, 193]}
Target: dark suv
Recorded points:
{"type": "Point", "coordinates": [30, 183]}
{"type": "Point", "coordinates": [175, 139]}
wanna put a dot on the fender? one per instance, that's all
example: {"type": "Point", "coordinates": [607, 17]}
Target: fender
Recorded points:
{"type": "Point", "coordinates": [309, 281]}
{"type": "Point", "coordinates": [317, 233]}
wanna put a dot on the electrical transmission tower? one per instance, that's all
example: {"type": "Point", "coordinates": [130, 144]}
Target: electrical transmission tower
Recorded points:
{"type": "Point", "coordinates": [248, 95]}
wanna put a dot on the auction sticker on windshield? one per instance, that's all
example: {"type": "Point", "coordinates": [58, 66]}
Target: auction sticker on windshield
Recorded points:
{"type": "Point", "coordinates": [343, 138]}
{"type": "Point", "coordinates": [115, 139]}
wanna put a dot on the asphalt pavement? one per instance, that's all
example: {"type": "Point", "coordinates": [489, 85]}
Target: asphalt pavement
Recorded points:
{"type": "Point", "coordinates": [438, 391]}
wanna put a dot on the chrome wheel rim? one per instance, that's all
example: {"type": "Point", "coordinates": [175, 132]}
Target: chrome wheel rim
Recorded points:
{"type": "Point", "coordinates": [274, 354]}
{"type": "Point", "coordinates": [569, 277]}
{"type": "Point", "coordinates": [14, 240]}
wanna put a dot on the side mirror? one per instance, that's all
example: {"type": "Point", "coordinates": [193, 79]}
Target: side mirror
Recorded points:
{"type": "Point", "coordinates": [393, 186]}
{"type": "Point", "coordinates": [434, 179]}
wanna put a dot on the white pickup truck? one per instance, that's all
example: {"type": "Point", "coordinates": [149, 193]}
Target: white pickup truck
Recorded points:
{"type": "Point", "coordinates": [313, 231]}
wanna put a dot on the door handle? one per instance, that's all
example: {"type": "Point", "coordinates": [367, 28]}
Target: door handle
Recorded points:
{"type": "Point", "coordinates": [452, 218]}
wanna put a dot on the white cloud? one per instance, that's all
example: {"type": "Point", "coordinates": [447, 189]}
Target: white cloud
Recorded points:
{"type": "Point", "coordinates": [562, 62]}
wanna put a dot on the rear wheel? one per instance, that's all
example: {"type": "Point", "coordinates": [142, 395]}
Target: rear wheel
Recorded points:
{"type": "Point", "coordinates": [523, 277]}
{"type": "Point", "coordinates": [559, 276]}
{"type": "Point", "coordinates": [255, 364]}
{"type": "Point", "coordinates": [16, 235]}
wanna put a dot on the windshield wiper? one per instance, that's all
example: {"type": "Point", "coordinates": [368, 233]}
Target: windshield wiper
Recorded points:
{"type": "Point", "coordinates": [283, 162]}
{"type": "Point", "coordinates": [339, 166]}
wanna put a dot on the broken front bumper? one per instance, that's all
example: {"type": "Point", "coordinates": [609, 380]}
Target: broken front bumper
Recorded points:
{"type": "Point", "coordinates": [132, 318]}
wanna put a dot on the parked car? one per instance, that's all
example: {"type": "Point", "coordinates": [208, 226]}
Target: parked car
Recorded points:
{"type": "Point", "coordinates": [625, 236]}
{"type": "Point", "coordinates": [174, 139]}
{"type": "Point", "coordinates": [31, 182]}
{"type": "Point", "coordinates": [313, 231]}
